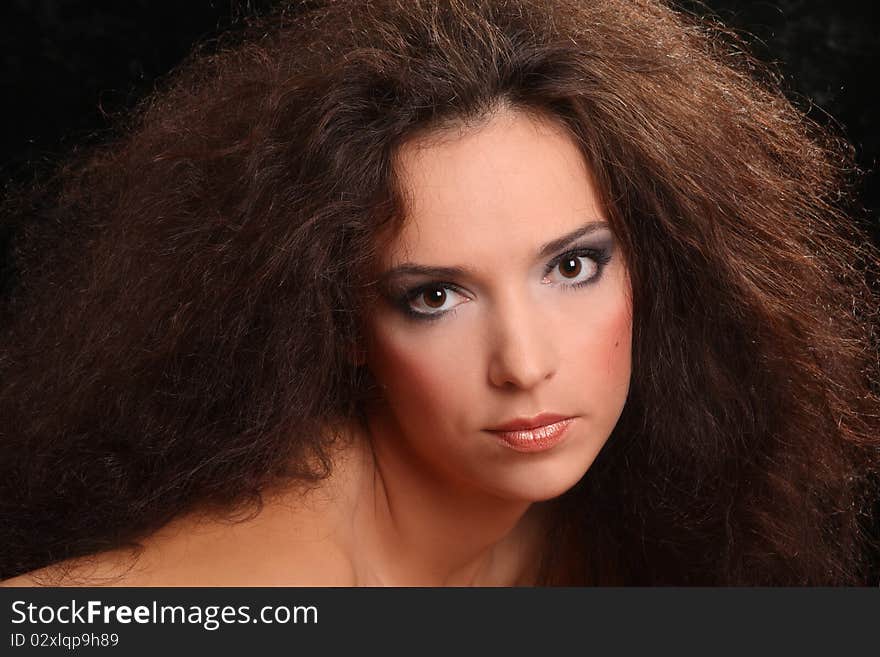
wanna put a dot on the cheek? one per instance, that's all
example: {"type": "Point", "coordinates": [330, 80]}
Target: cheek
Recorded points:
{"type": "Point", "coordinates": [603, 351]}
{"type": "Point", "coordinates": [420, 373]}
{"type": "Point", "coordinates": [617, 335]}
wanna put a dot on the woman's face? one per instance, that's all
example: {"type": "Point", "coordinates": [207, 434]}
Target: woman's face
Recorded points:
{"type": "Point", "coordinates": [505, 305]}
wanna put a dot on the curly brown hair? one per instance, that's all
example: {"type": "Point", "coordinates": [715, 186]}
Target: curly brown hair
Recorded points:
{"type": "Point", "coordinates": [182, 302]}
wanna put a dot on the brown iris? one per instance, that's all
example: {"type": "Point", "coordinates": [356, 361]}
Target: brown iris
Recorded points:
{"type": "Point", "coordinates": [434, 297]}
{"type": "Point", "coordinates": [570, 267]}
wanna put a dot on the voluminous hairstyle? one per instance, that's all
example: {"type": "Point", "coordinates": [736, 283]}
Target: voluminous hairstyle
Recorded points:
{"type": "Point", "coordinates": [181, 304]}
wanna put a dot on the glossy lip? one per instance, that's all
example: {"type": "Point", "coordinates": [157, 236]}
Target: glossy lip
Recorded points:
{"type": "Point", "coordinates": [526, 423]}
{"type": "Point", "coordinates": [536, 434]}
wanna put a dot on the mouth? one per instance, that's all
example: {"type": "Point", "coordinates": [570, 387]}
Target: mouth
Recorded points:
{"type": "Point", "coordinates": [535, 434]}
{"type": "Point", "coordinates": [529, 423]}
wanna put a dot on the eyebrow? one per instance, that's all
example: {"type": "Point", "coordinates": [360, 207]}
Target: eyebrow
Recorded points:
{"type": "Point", "coordinates": [546, 249]}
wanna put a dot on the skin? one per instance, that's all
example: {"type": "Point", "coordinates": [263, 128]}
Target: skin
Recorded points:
{"type": "Point", "coordinates": [516, 340]}
{"type": "Point", "coordinates": [423, 494]}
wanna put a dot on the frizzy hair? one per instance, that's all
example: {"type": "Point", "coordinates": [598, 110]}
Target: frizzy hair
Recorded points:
{"type": "Point", "coordinates": [183, 302]}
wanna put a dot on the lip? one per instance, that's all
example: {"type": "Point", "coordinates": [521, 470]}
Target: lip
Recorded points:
{"type": "Point", "coordinates": [526, 423]}
{"type": "Point", "coordinates": [536, 434]}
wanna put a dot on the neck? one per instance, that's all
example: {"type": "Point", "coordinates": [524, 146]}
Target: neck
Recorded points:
{"type": "Point", "coordinates": [417, 527]}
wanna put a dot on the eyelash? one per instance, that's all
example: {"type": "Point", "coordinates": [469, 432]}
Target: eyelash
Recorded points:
{"type": "Point", "coordinates": [600, 256]}
{"type": "Point", "coordinates": [404, 302]}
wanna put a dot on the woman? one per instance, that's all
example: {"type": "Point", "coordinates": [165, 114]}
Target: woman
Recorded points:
{"type": "Point", "coordinates": [446, 293]}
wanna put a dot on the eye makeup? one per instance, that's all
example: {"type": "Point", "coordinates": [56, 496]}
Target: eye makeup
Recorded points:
{"type": "Point", "coordinates": [600, 256]}
{"type": "Point", "coordinates": [404, 299]}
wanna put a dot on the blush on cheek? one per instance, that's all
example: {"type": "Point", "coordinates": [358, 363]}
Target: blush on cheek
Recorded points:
{"type": "Point", "coordinates": [607, 343]}
{"type": "Point", "coordinates": [619, 332]}
{"type": "Point", "coordinates": [620, 326]}
{"type": "Point", "coordinates": [410, 374]}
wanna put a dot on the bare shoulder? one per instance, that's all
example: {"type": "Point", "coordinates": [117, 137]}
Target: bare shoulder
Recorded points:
{"type": "Point", "coordinates": [272, 549]}
{"type": "Point", "coordinates": [118, 567]}
{"type": "Point", "coordinates": [297, 538]}
{"type": "Point", "coordinates": [292, 540]}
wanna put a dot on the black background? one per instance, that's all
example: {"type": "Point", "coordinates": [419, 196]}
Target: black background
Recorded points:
{"type": "Point", "coordinates": [68, 67]}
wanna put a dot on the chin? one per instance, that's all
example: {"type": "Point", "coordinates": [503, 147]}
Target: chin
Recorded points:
{"type": "Point", "coordinates": [543, 479]}
{"type": "Point", "coordinates": [542, 484]}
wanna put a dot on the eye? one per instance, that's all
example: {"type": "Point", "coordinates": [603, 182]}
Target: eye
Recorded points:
{"type": "Point", "coordinates": [575, 268]}
{"type": "Point", "coordinates": [433, 300]}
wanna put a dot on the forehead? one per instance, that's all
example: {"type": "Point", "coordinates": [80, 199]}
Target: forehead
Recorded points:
{"type": "Point", "coordinates": [512, 183]}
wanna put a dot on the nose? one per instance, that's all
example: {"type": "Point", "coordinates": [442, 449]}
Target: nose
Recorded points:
{"type": "Point", "coordinates": [523, 352]}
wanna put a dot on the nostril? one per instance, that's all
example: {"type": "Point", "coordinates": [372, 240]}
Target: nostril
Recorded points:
{"type": "Point", "coordinates": [519, 370]}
